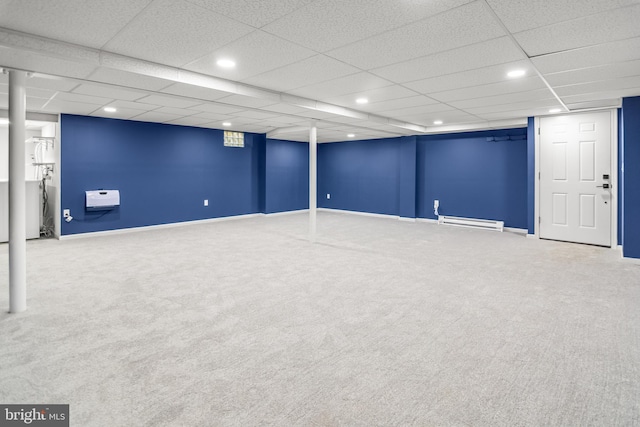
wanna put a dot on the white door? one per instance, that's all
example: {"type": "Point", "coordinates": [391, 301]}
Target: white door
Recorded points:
{"type": "Point", "coordinates": [575, 171]}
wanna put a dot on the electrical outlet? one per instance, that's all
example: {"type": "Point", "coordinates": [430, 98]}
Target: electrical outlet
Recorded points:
{"type": "Point", "coordinates": [436, 204]}
{"type": "Point", "coordinates": [66, 213]}
{"type": "Point", "coordinates": [328, 196]}
{"type": "Point", "coordinates": [206, 202]}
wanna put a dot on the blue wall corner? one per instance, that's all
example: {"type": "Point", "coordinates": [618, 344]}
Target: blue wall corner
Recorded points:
{"type": "Point", "coordinates": [631, 176]}
{"type": "Point", "coordinates": [287, 176]}
{"type": "Point", "coordinates": [531, 175]}
{"type": "Point", "coordinates": [407, 164]}
{"type": "Point", "coordinates": [164, 173]}
{"type": "Point", "coordinates": [475, 174]}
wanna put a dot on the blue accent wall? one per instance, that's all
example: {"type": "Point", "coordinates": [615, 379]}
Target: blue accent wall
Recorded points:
{"type": "Point", "coordinates": [164, 173]}
{"type": "Point", "coordinates": [476, 175]}
{"type": "Point", "coordinates": [287, 176]}
{"type": "Point", "coordinates": [620, 176]}
{"type": "Point", "coordinates": [360, 175]}
{"type": "Point", "coordinates": [631, 177]}
{"type": "Point", "coordinates": [407, 169]}
{"type": "Point", "coordinates": [531, 175]}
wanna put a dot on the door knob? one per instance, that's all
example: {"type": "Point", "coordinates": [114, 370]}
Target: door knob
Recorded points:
{"type": "Point", "coordinates": [603, 186]}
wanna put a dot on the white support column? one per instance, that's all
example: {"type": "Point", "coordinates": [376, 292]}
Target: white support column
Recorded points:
{"type": "Point", "coordinates": [313, 189]}
{"type": "Point", "coordinates": [17, 193]}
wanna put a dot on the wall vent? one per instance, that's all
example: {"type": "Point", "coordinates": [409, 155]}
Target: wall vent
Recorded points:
{"type": "Point", "coordinates": [471, 222]}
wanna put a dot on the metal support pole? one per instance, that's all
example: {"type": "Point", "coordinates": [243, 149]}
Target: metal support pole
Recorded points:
{"type": "Point", "coordinates": [17, 193]}
{"type": "Point", "coordinates": [313, 155]}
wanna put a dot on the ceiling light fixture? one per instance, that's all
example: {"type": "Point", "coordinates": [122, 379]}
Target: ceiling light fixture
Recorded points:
{"type": "Point", "coordinates": [437, 122]}
{"type": "Point", "coordinates": [226, 63]}
{"type": "Point", "coordinates": [516, 73]}
{"type": "Point", "coordinates": [362, 100]}
{"type": "Point", "coordinates": [351, 135]}
{"type": "Point", "coordinates": [109, 109]}
{"type": "Point", "coordinates": [226, 124]}
{"type": "Point", "coordinates": [555, 110]}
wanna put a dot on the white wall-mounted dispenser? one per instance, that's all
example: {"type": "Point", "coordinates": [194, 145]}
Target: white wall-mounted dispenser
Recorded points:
{"type": "Point", "coordinates": [102, 199]}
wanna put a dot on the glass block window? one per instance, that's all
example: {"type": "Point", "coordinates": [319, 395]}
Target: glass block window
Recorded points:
{"type": "Point", "coordinates": [233, 139]}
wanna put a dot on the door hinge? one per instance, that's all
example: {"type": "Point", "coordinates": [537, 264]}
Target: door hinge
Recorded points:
{"type": "Point", "coordinates": [538, 131]}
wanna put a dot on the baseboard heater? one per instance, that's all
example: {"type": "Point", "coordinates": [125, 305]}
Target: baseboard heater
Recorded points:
{"type": "Point", "coordinates": [471, 222]}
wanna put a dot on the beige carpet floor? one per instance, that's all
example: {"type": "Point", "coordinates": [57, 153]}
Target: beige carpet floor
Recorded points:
{"type": "Point", "coordinates": [379, 323]}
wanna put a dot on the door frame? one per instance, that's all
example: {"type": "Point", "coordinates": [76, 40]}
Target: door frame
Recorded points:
{"type": "Point", "coordinates": [614, 171]}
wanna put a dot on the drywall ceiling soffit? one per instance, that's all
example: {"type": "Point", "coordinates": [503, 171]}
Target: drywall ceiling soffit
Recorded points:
{"type": "Point", "coordinates": [126, 78]}
{"type": "Point", "coordinates": [349, 84]}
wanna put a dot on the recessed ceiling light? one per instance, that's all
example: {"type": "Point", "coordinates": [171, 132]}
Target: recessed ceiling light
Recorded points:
{"type": "Point", "coordinates": [351, 135]}
{"type": "Point", "coordinates": [110, 109]}
{"type": "Point", "coordinates": [516, 73]}
{"type": "Point", "coordinates": [226, 63]}
{"type": "Point", "coordinates": [226, 124]}
{"type": "Point", "coordinates": [362, 100]}
{"type": "Point", "coordinates": [555, 110]}
{"type": "Point", "coordinates": [437, 122]}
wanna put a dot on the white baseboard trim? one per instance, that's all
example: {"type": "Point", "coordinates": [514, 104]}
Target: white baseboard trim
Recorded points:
{"type": "Point", "coordinates": [156, 227]}
{"type": "Point", "coordinates": [373, 215]}
{"type": "Point", "coordinates": [287, 212]}
{"type": "Point", "coordinates": [531, 236]}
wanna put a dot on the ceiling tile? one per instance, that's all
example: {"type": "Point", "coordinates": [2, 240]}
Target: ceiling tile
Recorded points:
{"type": "Point", "coordinates": [605, 27]}
{"type": "Point", "coordinates": [623, 50]}
{"type": "Point", "coordinates": [492, 89]}
{"type": "Point", "coordinates": [533, 95]}
{"type": "Point", "coordinates": [255, 53]}
{"type": "Point", "coordinates": [497, 51]}
{"type": "Point", "coordinates": [175, 111]}
{"type": "Point", "coordinates": [469, 78]}
{"type": "Point", "coordinates": [459, 27]}
{"type": "Point", "coordinates": [168, 101]}
{"type": "Point", "coordinates": [258, 115]}
{"type": "Point", "coordinates": [68, 107]}
{"type": "Point", "coordinates": [632, 83]}
{"type": "Point", "coordinates": [284, 108]}
{"type": "Point", "coordinates": [88, 99]}
{"type": "Point", "coordinates": [139, 106]}
{"type": "Point", "coordinates": [328, 24]}
{"type": "Point", "coordinates": [85, 22]}
{"type": "Point", "coordinates": [158, 33]}
{"type": "Point", "coordinates": [152, 116]}
{"type": "Point", "coordinates": [125, 78]}
{"type": "Point", "coordinates": [375, 96]}
{"type": "Point", "coordinates": [341, 86]}
{"type": "Point", "coordinates": [520, 15]}
{"type": "Point", "coordinates": [423, 109]}
{"type": "Point", "coordinates": [604, 72]}
{"type": "Point", "coordinates": [312, 70]}
{"type": "Point", "coordinates": [109, 92]}
{"type": "Point", "coordinates": [545, 104]}
{"type": "Point", "coordinates": [397, 104]}
{"type": "Point", "coordinates": [212, 116]}
{"type": "Point", "coordinates": [53, 84]}
{"type": "Point", "coordinates": [121, 113]}
{"type": "Point", "coordinates": [188, 121]}
{"type": "Point", "coordinates": [251, 12]}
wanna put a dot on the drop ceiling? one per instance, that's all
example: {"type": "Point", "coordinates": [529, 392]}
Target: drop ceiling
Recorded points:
{"type": "Point", "coordinates": [306, 61]}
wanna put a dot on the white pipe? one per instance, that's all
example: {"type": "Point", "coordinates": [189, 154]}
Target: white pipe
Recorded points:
{"type": "Point", "coordinates": [313, 155]}
{"type": "Point", "coordinates": [17, 193]}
